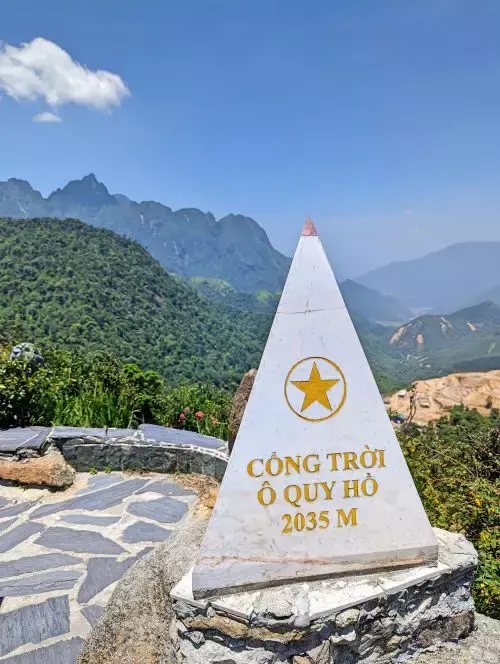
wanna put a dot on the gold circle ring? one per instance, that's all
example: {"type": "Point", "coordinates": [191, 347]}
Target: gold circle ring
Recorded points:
{"type": "Point", "coordinates": [344, 394]}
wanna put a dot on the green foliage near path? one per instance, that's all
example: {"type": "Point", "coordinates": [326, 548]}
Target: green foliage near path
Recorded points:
{"type": "Point", "coordinates": [96, 390]}
{"type": "Point", "coordinates": [455, 463]}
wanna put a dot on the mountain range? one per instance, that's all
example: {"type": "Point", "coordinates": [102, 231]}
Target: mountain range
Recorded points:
{"type": "Point", "coordinates": [230, 259]}
{"type": "Point", "coordinates": [223, 271]}
{"type": "Point", "coordinates": [236, 251]}
{"type": "Point", "coordinates": [188, 242]}
{"type": "Point", "coordinates": [65, 283]}
{"type": "Point", "coordinates": [444, 281]}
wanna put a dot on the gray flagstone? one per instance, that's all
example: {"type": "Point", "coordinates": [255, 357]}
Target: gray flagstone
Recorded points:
{"type": "Point", "coordinates": [39, 583]}
{"type": "Point", "coordinates": [165, 510]}
{"type": "Point", "coordinates": [5, 524]}
{"type": "Point", "coordinates": [142, 531]}
{"type": "Point", "coordinates": [96, 500]}
{"type": "Point", "coordinates": [63, 652]}
{"type": "Point", "coordinates": [165, 488]}
{"type": "Point", "coordinates": [102, 572]}
{"type": "Point", "coordinates": [17, 535]}
{"type": "Point", "coordinates": [92, 613]}
{"type": "Point", "coordinates": [32, 624]}
{"type": "Point", "coordinates": [31, 564]}
{"type": "Point", "coordinates": [16, 509]}
{"type": "Point", "coordinates": [78, 541]}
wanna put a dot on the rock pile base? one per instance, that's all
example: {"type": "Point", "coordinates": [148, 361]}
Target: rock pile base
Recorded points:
{"type": "Point", "coordinates": [367, 619]}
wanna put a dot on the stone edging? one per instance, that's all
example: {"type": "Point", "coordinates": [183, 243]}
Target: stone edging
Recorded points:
{"type": "Point", "coordinates": [92, 452]}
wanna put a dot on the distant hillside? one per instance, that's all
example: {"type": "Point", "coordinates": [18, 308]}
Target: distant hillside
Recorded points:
{"type": "Point", "coordinates": [467, 340]}
{"type": "Point", "coordinates": [188, 242]}
{"type": "Point", "coordinates": [66, 283]}
{"type": "Point", "coordinates": [428, 333]}
{"type": "Point", "coordinates": [218, 290]}
{"type": "Point", "coordinates": [491, 295]}
{"type": "Point", "coordinates": [361, 301]}
{"type": "Point", "coordinates": [444, 280]}
{"type": "Point", "coordinates": [371, 304]}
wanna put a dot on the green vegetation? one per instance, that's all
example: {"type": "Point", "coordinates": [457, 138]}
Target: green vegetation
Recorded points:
{"type": "Point", "coordinates": [455, 463]}
{"type": "Point", "coordinates": [188, 242]}
{"type": "Point", "coordinates": [97, 390]}
{"type": "Point", "coordinates": [218, 290]}
{"type": "Point", "coordinates": [66, 284]}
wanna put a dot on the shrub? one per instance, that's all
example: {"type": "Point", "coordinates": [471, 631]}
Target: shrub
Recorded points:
{"type": "Point", "coordinates": [455, 464]}
{"type": "Point", "coordinates": [201, 408]}
{"type": "Point", "coordinates": [95, 390]}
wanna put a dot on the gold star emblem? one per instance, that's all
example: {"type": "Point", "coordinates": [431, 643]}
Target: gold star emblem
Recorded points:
{"type": "Point", "coordinates": [317, 403]}
{"type": "Point", "coordinates": [315, 389]}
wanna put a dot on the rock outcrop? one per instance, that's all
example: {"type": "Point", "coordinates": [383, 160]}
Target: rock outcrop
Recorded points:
{"type": "Point", "coordinates": [49, 470]}
{"type": "Point", "coordinates": [240, 401]}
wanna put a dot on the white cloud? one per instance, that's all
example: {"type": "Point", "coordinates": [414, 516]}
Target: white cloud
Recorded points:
{"type": "Point", "coordinates": [41, 69]}
{"type": "Point", "coordinates": [47, 116]}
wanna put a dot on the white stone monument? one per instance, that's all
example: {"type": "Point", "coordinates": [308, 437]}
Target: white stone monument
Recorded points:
{"type": "Point", "coordinates": [317, 485]}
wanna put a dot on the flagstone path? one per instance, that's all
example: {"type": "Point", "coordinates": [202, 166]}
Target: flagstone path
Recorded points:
{"type": "Point", "coordinates": [60, 557]}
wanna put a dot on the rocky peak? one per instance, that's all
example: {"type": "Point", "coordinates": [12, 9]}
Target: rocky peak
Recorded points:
{"type": "Point", "coordinates": [188, 241]}
{"type": "Point", "coordinates": [88, 192]}
{"type": "Point", "coordinates": [19, 199]}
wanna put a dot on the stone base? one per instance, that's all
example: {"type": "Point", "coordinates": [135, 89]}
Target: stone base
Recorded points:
{"type": "Point", "coordinates": [383, 617]}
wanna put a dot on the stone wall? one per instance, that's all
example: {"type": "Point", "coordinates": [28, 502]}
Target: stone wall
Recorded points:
{"type": "Point", "coordinates": [90, 452]}
{"type": "Point", "coordinates": [385, 628]}
{"type": "Point", "coordinates": [150, 448]}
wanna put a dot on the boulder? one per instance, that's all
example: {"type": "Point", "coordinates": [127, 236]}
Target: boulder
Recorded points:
{"type": "Point", "coordinates": [240, 401]}
{"type": "Point", "coordinates": [483, 645]}
{"type": "Point", "coordinates": [135, 627]}
{"type": "Point", "coordinates": [48, 470]}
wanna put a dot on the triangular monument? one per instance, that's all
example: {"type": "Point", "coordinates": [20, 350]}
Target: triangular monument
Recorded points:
{"type": "Point", "coordinates": [316, 484]}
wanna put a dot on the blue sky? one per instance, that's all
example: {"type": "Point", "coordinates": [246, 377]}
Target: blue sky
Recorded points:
{"type": "Point", "coordinates": [379, 119]}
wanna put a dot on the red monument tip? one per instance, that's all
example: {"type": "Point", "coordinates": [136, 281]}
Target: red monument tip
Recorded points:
{"type": "Point", "coordinates": [309, 228]}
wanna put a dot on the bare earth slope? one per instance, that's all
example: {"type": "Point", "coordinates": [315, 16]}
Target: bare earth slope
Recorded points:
{"type": "Point", "coordinates": [435, 397]}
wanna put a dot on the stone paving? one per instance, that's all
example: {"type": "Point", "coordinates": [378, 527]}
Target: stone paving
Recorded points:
{"type": "Point", "coordinates": [60, 557]}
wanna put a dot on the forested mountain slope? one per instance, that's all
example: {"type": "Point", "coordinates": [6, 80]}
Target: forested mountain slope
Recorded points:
{"type": "Point", "coordinates": [65, 283]}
